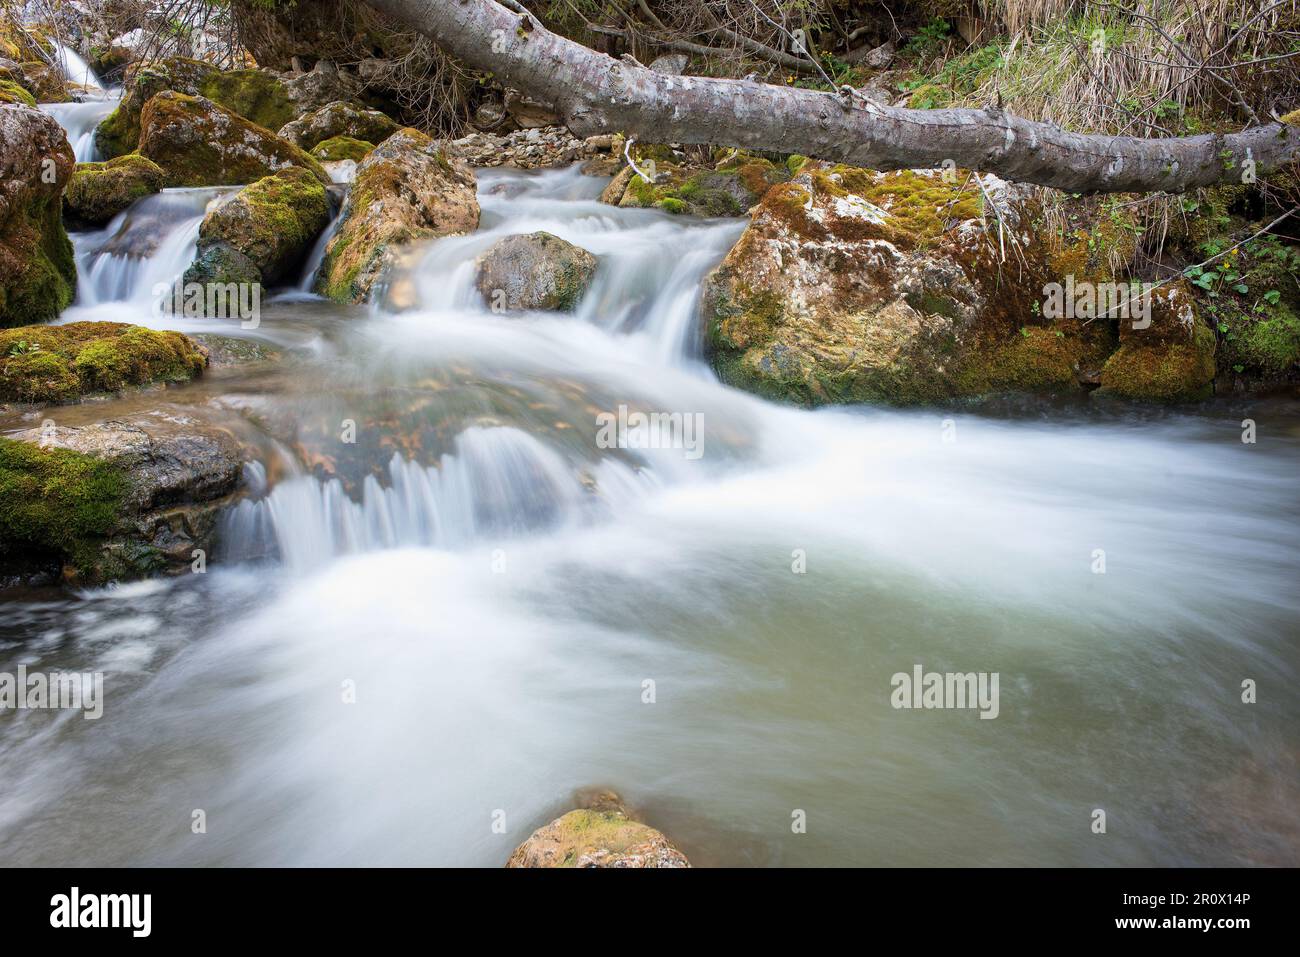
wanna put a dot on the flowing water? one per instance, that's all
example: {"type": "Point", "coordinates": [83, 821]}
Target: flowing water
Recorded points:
{"type": "Point", "coordinates": [142, 251]}
{"type": "Point", "coordinates": [75, 70]}
{"type": "Point", "coordinates": [80, 119]}
{"type": "Point", "coordinates": [455, 616]}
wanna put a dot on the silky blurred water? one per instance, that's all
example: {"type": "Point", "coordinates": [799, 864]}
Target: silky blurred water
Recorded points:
{"type": "Point", "coordinates": [495, 590]}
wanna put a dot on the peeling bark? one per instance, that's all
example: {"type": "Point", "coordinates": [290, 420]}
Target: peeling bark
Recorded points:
{"type": "Point", "coordinates": [597, 94]}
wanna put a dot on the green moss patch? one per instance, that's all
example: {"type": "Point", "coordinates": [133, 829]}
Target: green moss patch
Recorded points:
{"type": "Point", "coordinates": [255, 95]}
{"type": "Point", "coordinates": [342, 148]}
{"type": "Point", "coordinates": [99, 191]}
{"type": "Point", "coordinates": [56, 502]}
{"type": "Point", "coordinates": [40, 274]}
{"type": "Point", "coordinates": [200, 143]}
{"type": "Point", "coordinates": [1168, 372]}
{"type": "Point", "coordinates": [61, 363]}
{"type": "Point", "coordinates": [12, 92]}
{"type": "Point", "coordinates": [271, 223]}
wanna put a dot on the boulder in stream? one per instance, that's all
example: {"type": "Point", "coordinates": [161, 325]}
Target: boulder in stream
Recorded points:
{"type": "Point", "coordinates": [857, 286]}
{"type": "Point", "coordinates": [99, 191]}
{"type": "Point", "coordinates": [198, 143]}
{"type": "Point", "coordinates": [601, 834]}
{"type": "Point", "coordinates": [50, 364]}
{"type": "Point", "coordinates": [114, 500]}
{"type": "Point", "coordinates": [405, 191]}
{"type": "Point", "coordinates": [534, 271]}
{"type": "Point", "coordinates": [36, 263]}
{"type": "Point", "coordinates": [263, 232]}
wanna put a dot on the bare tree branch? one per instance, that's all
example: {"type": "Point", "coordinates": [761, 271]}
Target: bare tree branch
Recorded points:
{"type": "Point", "coordinates": [595, 93]}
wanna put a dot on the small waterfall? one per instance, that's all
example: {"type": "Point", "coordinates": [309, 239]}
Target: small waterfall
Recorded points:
{"type": "Point", "coordinates": [311, 266]}
{"type": "Point", "coordinates": [151, 243]}
{"type": "Point", "coordinates": [651, 263]}
{"type": "Point", "coordinates": [80, 120]}
{"type": "Point", "coordinates": [500, 482]}
{"type": "Point", "coordinates": [74, 68]}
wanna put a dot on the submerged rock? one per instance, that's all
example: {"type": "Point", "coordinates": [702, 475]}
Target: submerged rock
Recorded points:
{"type": "Point", "coordinates": [61, 363]}
{"type": "Point", "coordinates": [339, 119]}
{"type": "Point", "coordinates": [405, 191]}
{"type": "Point", "coordinates": [99, 191]}
{"type": "Point", "coordinates": [198, 143]}
{"type": "Point", "coordinates": [534, 271]}
{"type": "Point", "coordinates": [263, 232]}
{"type": "Point", "coordinates": [603, 834]}
{"type": "Point", "coordinates": [37, 272]}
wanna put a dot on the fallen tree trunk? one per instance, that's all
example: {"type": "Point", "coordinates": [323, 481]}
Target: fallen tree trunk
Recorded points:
{"type": "Point", "coordinates": [597, 94]}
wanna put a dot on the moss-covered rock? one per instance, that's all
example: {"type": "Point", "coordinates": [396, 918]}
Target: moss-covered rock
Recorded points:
{"type": "Point", "coordinates": [37, 273]}
{"type": "Point", "coordinates": [339, 120]}
{"type": "Point", "coordinates": [45, 82]}
{"type": "Point", "coordinates": [1269, 344]}
{"type": "Point", "coordinates": [256, 95]}
{"type": "Point", "coordinates": [535, 271]}
{"type": "Point", "coordinates": [405, 191]}
{"type": "Point", "coordinates": [270, 225]}
{"type": "Point", "coordinates": [735, 183]}
{"type": "Point", "coordinates": [99, 191]}
{"type": "Point", "coordinates": [1162, 371]}
{"type": "Point", "coordinates": [23, 41]}
{"type": "Point", "coordinates": [342, 148]}
{"type": "Point", "coordinates": [601, 835]}
{"type": "Point", "coordinates": [853, 286]}
{"type": "Point", "coordinates": [62, 363]}
{"type": "Point", "coordinates": [198, 143]}
{"type": "Point", "coordinates": [113, 500]}
{"type": "Point", "coordinates": [11, 91]}
{"type": "Point", "coordinates": [857, 286]}
{"type": "Point", "coordinates": [55, 503]}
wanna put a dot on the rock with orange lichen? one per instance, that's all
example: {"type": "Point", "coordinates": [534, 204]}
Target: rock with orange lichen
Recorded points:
{"type": "Point", "coordinates": [600, 835]}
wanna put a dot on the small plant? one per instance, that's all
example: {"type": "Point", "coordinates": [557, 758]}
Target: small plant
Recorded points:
{"type": "Point", "coordinates": [22, 347]}
{"type": "Point", "coordinates": [928, 40]}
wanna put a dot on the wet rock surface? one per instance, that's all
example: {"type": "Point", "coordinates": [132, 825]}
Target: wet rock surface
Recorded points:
{"type": "Point", "coordinates": [39, 276]}
{"type": "Point", "coordinates": [535, 271]}
{"type": "Point", "coordinates": [600, 834]}
{"type": "Point", "coordinates": [406, 190]}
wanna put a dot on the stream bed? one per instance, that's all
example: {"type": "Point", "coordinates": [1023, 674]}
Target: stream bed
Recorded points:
{"type": "Point", "coordinates": [474, 608]}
